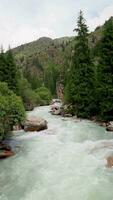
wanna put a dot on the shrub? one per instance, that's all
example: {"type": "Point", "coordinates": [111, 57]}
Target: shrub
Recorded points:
{"type": "Point", "coordinates": [44, 95]}
{"type": "Point", "coordinates": [12, 111]}
{"type": "Point", "coordinates": [27, 94]}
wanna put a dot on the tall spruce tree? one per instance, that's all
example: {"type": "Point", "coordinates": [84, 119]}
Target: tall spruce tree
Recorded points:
{"type": "Point", "coordinates": [8, 70]}
{"type": "Point", "coordinates": [105, 73]}
{"type": "Point", "coordinates": [2, 66]}
{"type": "Point", "coordinates": [79, 90]}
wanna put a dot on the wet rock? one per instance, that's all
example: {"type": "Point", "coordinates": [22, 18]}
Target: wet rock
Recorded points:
{"type": "Point", "coordinates": [67, 110]}
{"type": "Point", "coordinates": [35, 124]}
{"type": "Point", "coordinates": [110, 127]}
{"type": "Point", "coordinates": [56, 107]}
{"type": "Point", "coordinates": [5, 151]}
{"type": "Point", "coordinates": [6, 154]}
{"type": "Point", "coordinates": [17, 128]}
{"type": "Point", "coordinates": [68, 115]}
{"type": "Point", "coordinates": [104, 124]}
{"type": "Point", "coordinates": [110, 161]}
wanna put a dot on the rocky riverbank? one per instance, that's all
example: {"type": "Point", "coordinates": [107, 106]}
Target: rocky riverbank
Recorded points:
{"type": "Point", "coordinates": [30, 125]}
{"type": "Point", "coordinates": [67, 111]}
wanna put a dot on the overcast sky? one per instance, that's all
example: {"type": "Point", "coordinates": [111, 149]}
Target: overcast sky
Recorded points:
{"type": "Point", "coordinates": [23, 21]}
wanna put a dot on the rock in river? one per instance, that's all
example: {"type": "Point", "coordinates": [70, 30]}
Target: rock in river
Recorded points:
{"type": "Point", "coordinates": [110, 126]}
{"type": "Point", "coordinates": [35, 124]}
{"type": "Point", "coordinates": [5, 151]}
{"type": "Point", "coordinates": [110, 161]}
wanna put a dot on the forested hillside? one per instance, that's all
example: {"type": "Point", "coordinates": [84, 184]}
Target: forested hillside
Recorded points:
{"type": "Point", "coordinates": [41, 61]}
{"type": "Point", "coordinates": [46, 61]}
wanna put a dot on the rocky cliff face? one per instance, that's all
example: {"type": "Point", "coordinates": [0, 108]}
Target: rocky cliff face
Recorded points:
{"type": "Point", "coordinates": [60, 90]}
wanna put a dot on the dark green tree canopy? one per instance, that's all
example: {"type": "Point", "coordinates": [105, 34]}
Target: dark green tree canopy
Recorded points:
{"type": "Point", "coordinates": [105, 72]}
{"type": "Point", "coordinates": [8, 70]}
{"type": "Point", "coordinates": [79, 90]}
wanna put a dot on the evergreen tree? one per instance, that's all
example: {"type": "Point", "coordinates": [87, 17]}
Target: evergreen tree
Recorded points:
{"type": "Point", "coordinates": [2, 65]}
{"type": "Point", "coordinates": [79, 90]}
{"type": "Point", "coordinates": [8, 71]}
{"type": "Point", "coordinates": [12, 72]}
{"type": "Point", "coordinates": [105, 73]}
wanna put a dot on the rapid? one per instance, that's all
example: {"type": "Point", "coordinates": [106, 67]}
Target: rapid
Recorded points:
{"type": "Point", "coordinates": [65, 162]}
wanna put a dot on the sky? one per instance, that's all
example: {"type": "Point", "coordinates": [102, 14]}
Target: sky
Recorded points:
{"type": "Point", "coordinates": [24, 21]}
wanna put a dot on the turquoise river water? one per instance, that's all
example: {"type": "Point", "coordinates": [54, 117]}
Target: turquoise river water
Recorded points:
{"type": "Point", "coordinates": [65, 162]}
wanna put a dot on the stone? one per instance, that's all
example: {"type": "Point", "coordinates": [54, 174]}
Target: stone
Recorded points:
{"type": "Point", "coordinates": [110, 161]}
{"type": "Point", "coordinates": [5, 151]}
{"type": "Point", "coordinates": [56, 107]}
{"type": "Point", "coordinates": [104, 124]}
{"type": "Point", "coordinates": [34, 123]}
{"type": "Point", "coordinates": [110, 127]}
{"type": "Point", "coordinates": [68, 115]}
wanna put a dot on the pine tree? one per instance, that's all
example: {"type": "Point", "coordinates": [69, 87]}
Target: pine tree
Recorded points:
{"type": "Point", "coordinates": [79, 90]}
{"type": "Point", "coordinates": [105, 73]}
{"type": "Point", "coordinates": [11, 74]}
{"type": "Point", "coordinates": [2, 65]}
{"type": "Point", "coordinates": [8, 70]}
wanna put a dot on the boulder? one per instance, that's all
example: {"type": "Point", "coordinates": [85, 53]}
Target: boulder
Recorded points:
{"type": "Point", "coordinates": [110, 161]}
{"type": "Point", "coordinates": [34, 124]}
{"type": "Point", "coordinates": [110, 126]}
{"type": "Point", "coordinates": [104, 124]}
{"type": "Point", "coordinates": [5, 151]}
{"type": "Point", "coordinates": [56, 107]}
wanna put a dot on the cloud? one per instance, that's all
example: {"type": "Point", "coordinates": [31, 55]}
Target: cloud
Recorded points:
{"type": "Point", "coordinates": [101, 17]}
{"type": "Point", "coordinates": [23, 21]}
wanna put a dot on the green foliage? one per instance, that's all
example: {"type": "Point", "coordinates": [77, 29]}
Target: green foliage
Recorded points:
{"type": "Point", "coordinates": [32, 98]}
{"type": "Point", "coordinates": [44, 95]}
{"type": "Point", "coordinates": [4, 89]}
{"type": "Point", "coordinates": [39, 101]}
{"type": "Point", "coordinates": [16, 110]}
{"type": "Point", "coordinates": [105, 73]}
{"type": "Point", "coordinates": [33, 71]}
{"type": "Point", "coordinates": [51, 75]}
{"type": "Point", "coordinates": [4, 120]}
{"type": "Point", "coordinates": [8, 70]}
{"type": "Point", "coordinates": [27, 94]}
{"type": "Point", "coordinates": [2, 66]}
{"type": "Point", "coordinates": [89, 87]}
{"type": "Point", "coordinates": [41, 61]}
{"type": "Point", "coordinates": [79, 89]}
{"type": "Point", "coordinates": [11, 110]}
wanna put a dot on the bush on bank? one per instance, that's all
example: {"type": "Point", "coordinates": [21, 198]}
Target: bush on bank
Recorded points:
{"type": "Point", "coordinates": [12, 111]}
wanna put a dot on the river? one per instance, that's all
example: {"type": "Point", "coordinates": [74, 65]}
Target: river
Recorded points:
{"type": "Point", "coordinates": [65, 162]}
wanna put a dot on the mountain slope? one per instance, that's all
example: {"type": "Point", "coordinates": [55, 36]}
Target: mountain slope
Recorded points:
{"type": "Point", "coordinates": [42, 60]}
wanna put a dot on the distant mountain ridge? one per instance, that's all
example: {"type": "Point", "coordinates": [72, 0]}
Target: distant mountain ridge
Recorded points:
{"type": "Point", "coordinates": [39, 45]}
